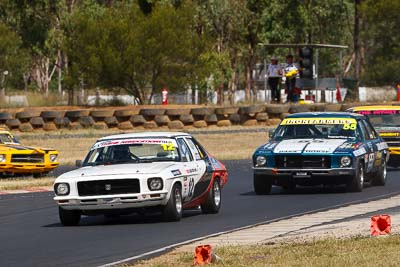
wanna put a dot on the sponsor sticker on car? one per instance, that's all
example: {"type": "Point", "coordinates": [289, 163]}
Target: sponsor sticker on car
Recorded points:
{"type": "Point", "coordinates": [167, 144]}
{"type": "Point", "coordinates": [299, 121]}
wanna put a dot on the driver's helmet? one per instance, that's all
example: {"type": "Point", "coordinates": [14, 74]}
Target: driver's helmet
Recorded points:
{"type": "Point", "coordinates": [121, 152]}
{"type": "Point", "coordinates": [302, 130]}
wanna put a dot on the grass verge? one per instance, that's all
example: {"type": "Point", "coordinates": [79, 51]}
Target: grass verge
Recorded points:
{"type": "Point", "coordinates": [357, 252]}
{"type": "Point", "coordinates": [223, 146]}
{"type": "Point", "coordinates": [25, 183]}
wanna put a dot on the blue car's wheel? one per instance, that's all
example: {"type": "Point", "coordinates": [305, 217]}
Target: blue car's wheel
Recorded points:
{"type": "Point", "coordinates": [356, 183]}
{"type": "Point", "coordinates": [380, 177]}
{"type": "Point", "coordinates": [262, 184]}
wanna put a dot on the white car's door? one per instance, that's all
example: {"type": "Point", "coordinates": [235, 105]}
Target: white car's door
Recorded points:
{"type": "Point", "coordinates": [190, 170]}
{"type": "Point", "coordinates": [203, 177]}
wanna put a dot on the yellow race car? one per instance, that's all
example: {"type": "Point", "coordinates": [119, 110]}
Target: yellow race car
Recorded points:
{"type": "Point", "coordinates": [16, 159]}
{"type": "Point", "coordinates": [386, 121]}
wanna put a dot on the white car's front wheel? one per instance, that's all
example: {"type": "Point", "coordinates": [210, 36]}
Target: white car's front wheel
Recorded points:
{"type": "Point", "coordinates": [173, 210]}
{"type": "Point", "coordinates": [69, 217]}
{"type": "Point", "coordinates": [213, 201]}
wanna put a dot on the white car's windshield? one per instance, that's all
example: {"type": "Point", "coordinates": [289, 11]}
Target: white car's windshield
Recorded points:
{"type": "Point", "coordinates": [133, 150]}
{"type": "Point", "coordinates": [316, 128]}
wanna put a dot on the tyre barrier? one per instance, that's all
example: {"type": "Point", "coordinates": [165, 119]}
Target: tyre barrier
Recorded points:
{"type": "Point", "coordinates": [126, 125]}
{"type": "Point", "coordinates": [137, 120]}
{"type": "Point", "coordinates": [75, 115]}
{"type": "Point", "coordinates": [36, 122]}
{"type": "Point", "coordinates": [111, 122]}
{"type": "Point", "coordinates": [100, 115]}
{"type": "Point", "coordinates": [124, 115]}
{"type": "Point", "coordinates": [4, 116]}
{"type": "Point", "coordinates": [154, 118]}
{"type": "Point", "coordinates": [51, 115]}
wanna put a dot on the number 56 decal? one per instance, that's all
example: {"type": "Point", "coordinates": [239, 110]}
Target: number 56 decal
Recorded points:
{"type": "Point", "coordinates": [349, 126]}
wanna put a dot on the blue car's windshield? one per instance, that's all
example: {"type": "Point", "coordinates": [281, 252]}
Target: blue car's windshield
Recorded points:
{"type": "Point", "coordinates": [307, 128]}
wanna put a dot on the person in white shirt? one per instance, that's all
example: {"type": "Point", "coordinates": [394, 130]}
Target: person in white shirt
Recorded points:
{"type": "Point", "coordinates": [290, 72]}
{"type": "Point", "coordinates": [274, 73]}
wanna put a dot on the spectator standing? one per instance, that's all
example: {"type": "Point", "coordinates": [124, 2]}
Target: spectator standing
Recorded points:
{"type": "Point", "coordinates": [290, 72]}
{"type": "Point", "coordinates": [274, 73]}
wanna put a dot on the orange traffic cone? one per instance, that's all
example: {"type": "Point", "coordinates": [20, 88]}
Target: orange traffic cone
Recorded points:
{"type": "Point", "coordinates": [380, 225]}
{"type": "Point", "coordinates": [202, 255]}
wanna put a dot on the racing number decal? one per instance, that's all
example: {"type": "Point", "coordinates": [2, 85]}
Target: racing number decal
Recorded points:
{"type": "Point", "coordinates": [370, 160]}
{"type": "Point", "coordinates": [168, 147]}
{"type": "Point", "coordinates": [349, 126]}
{"type": "Point", "coordinates": [191, 186]}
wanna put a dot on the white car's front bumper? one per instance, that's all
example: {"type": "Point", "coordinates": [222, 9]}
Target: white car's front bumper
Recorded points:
{"type": "Point", "coordinates": [103, 202]}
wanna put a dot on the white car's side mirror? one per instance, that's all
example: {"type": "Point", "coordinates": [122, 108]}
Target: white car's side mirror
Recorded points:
{"type": "Point", "coordinates": [78, 163]}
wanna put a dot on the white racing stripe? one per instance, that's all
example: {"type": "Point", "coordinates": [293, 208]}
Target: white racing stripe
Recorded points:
{"type": "Point", "coordinates": [308, 145]}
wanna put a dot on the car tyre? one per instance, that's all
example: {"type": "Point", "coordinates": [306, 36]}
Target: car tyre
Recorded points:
{"type": "Point", "coordinates": [262, 184]}
{"type": "Point", "coordinates": [172, 212]}
{"type": "Point", "coordinates": [379, 178]}
{"type": "Point", "coordinates": [213, 201]}
{"type": "Point", "coordinates": [69, 217]}
{"type": "Point", "coordinates": [356, 183]}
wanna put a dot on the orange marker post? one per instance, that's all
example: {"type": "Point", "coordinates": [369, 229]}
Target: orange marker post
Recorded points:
{"type": "Point", "coordinates": [381, 225]}
{"type": "Point", "coordinates": [202, 255]}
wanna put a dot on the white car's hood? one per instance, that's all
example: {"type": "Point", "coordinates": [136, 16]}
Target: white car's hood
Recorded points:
{"type": "Point", "coordinates": [118, 169]}
{"type": "Point", "coordinates": [309, 145]}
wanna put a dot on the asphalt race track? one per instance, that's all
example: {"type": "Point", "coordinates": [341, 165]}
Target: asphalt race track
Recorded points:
{"type": "Point", "coordinates": [31, 234]}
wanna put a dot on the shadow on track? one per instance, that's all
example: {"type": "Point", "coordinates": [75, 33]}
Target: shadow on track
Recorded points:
{"type": "Point", "coordinates": [134, 218]}
{"type": "Point", "coordinates": [305, 190]}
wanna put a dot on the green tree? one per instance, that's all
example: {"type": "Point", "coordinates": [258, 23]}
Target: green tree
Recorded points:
{"type": "Point", "coordinates": [123, 48]}
{"type": "Point", "coordinates": [13, 59]}
{"type": "Point", "coordinates": [381, 36]}
{"type": "Point", "coordinates": [39, 26]}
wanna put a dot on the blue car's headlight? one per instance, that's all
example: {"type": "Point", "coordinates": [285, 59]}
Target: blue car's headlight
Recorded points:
{"type": "Point", "coordinates": [345, 161]}
{"type": "Point", "coordinates": [261, 161]}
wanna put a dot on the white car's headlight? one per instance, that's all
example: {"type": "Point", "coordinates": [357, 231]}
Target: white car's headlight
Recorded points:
{"type": "Point", "coordinates": [261, 161]}
{"type": "Point", "coordinates": [61, 189]}
{"type": "Point", "coordinates": [345, 161]}
{"type": "Point", "coordinates": [2, 158]}
{"type": "Point", "coordinates": [53, 157]}
{"type": "Point", "coordinates": [155, 184]}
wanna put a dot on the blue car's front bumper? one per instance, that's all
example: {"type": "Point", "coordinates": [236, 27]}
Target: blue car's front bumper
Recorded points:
{"type": "Point", "coordinates": [305, 176]}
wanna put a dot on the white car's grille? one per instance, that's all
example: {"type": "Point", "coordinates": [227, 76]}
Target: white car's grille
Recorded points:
{"type": "Point", "coordinates": [108, 187]}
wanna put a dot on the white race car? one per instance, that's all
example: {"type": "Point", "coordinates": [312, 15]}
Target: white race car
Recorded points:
{"type": "Point", "coordinates": [130, 172]}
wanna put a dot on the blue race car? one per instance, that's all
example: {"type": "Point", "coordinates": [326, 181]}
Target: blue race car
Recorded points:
{"type": "Point", "coordinates": [321, 148]}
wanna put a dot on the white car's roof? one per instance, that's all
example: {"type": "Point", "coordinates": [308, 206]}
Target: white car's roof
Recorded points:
{"type": "Point", "coordinates": [144, 135]}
